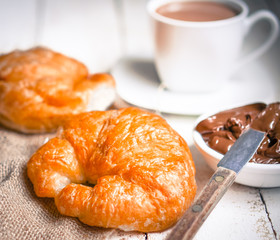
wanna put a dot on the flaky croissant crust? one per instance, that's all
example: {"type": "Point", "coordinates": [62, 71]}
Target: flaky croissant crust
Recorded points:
{"type": "Point", "coordinates": [39, 88]}
{"type": "Point", "coordinates": [142, 170]}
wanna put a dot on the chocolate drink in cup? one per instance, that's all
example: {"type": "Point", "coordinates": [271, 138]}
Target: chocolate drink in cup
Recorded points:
{"type": "Point", "coordinates": [197, 44]}
{"type": "Point", "coordinates": [197, 11]}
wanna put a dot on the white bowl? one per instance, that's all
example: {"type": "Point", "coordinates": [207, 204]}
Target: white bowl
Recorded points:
{"type": "Point", "coordinates": [252, 174]}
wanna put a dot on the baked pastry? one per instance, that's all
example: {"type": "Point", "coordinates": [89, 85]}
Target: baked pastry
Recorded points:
{"type": "Point", "coordinates": [143, 171]}
{"type": "Point", "coordinates": [40, 88]}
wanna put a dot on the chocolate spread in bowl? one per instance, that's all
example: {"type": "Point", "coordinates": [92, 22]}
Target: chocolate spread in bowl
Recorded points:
{"type": "Point", "coordinates": [221, 130]}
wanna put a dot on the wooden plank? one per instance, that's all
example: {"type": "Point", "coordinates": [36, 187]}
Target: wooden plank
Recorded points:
{"type": "Point", "coordinates": [86, 30]}
{"type": "Point", "coordinates": [18, 24]}
{"type": "Point", "coordinates": [138, 41]}
{"type": "Point", "coordinates": [239, 215]}
{"type": "Point", "coordinates": [271, 198]}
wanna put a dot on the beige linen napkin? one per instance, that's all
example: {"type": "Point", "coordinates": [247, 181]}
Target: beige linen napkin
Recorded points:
{"type": "Point", "coordinates": [25, 216]}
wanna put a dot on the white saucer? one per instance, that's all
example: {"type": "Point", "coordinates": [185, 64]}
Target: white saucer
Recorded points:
{"type": "Point", "coordinates": [138, 84]}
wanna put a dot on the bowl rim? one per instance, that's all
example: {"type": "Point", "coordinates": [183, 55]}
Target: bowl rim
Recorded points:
{"type": "Point", "coordinates": [198, 140]}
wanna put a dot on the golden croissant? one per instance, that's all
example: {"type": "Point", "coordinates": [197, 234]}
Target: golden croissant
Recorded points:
{"type": "Point", "coordinates": [40, 88]}
{"type": "Point", "coordinates": [125, 169]}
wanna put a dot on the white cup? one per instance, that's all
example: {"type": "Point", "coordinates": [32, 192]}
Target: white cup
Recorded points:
{"type": "Point", "coordinates": [201, 56]}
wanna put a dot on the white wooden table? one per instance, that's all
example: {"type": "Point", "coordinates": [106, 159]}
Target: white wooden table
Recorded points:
{"type": "Point", "coordinates": [99, 33]}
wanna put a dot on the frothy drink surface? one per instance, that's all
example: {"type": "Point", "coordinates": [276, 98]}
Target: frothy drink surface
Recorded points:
{"type": "Point", "coordinates": [196, 11]}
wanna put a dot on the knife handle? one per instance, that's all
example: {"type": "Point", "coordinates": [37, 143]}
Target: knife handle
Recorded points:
{"type": "Point", "coordinates": [210, 195]}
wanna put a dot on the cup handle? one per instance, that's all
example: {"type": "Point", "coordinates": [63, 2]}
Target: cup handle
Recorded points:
{"type": "Point", "coordinates": [250, 21]}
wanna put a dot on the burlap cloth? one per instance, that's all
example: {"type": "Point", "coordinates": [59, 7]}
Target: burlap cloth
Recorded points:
{"type": "Point", "coordinates": [25, 216]}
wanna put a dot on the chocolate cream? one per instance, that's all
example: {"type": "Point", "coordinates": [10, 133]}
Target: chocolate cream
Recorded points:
{"type": "Point", "coordinates": [221, 130]}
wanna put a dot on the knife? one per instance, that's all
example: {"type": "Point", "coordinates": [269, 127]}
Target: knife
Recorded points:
{"type": "Point", "coordinates": [228, 168]}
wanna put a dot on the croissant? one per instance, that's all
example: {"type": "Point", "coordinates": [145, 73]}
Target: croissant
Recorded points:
{"type": "Point", "coordinates": [125, 169]}
{"type": "Point", "coordinates": [40, 88]}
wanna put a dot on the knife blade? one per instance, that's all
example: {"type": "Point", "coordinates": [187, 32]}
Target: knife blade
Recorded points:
{"type": "Point", "coordinates": [228, 168]}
